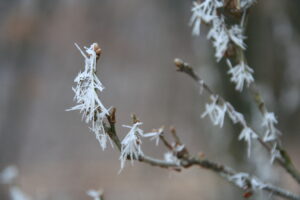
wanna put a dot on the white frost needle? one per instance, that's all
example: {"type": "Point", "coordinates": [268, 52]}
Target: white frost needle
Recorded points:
{"type": "Point", "coordinates": [236, 35]}
{"type": "Point", "coordinates": [86, 97]}
{"type": "Point", "coordinates": [215, 111]}
{"type": "Point", "coordinates": [155, 135]}
{"type": "Point", "coordinates": [131, 144]}
{"type": "Point", "coordinates": [219, 36]}
{"type": "Point", "coordinates": [269, 121]}
{"type": "Point", "coordinates": [241, 74]}
{"type": "Point", "coordinates": [205, 11]}
{"type": "Point", "coordinates": [248, 134]}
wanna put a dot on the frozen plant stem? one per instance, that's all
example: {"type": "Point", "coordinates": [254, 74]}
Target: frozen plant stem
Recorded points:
{"type": "Point", "coordinates": [189, 161]}
{"type": "Point", "coordinates": [286, 163]}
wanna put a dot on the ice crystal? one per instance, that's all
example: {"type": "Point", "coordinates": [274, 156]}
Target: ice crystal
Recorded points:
{"type": "Point", "coordinates": [236, 117]}
{"type": "Point", "coordinates": [275, 153]}
{"type": "Point", "coordinates": [236, 35]}
{"type": "Point", "coordinates": [155, 135]}
{"type": "Point", "coordinates": [95, 194]}
{"type": "Point", "coordinates": [131, 144]}
{"type": "Point", "coordinates": [205, 11]}
{"type": "Point", "coordinates": [86, 97]}
{"type": "Point", "coordinates": [248, 134]}
{"type": "Point", "coordinates": [215, 111]}
{"type": "Point", "coordinates": [269, 121]}
{"type": "Point", "coordinates": [241, 74]}
{"type": "Point", "coordinates": [218, 34]}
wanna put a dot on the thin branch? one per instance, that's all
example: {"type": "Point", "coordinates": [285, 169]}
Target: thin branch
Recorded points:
{"type": "Point", "coordinates": [286, 163]}
{"type": "Point", "coordinates": [186, 162]}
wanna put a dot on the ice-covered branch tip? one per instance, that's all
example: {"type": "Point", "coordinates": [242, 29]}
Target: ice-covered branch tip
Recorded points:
{"type": "Point", "coordinates": [86, 94]}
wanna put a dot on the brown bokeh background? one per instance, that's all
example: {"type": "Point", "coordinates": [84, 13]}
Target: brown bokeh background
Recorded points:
{"type": "Point", "coordinates": [57, 156]}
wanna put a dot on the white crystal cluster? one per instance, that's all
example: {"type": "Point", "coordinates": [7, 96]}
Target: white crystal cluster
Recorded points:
{"type": "Point", "coordinates": [221, 35]}
{"type": "Point", "coordinates": [217, 110]}
{"type": "Point", "coordinates": [131, 144]}
{"type": "Point", "coordinates": [86, 95]}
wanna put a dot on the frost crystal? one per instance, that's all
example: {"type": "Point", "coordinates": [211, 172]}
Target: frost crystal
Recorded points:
{"type": "Point", "coordinates": [275, 153]}
{"type": "Point", "coordinates": [236, 36]}
{"type": "Point", "coordinates": [155, 135]}
{"type": "Point", "coordinates": [240, 74]}
{"type": "Point", "coordinates": [86, 97]}
{"type": "Point", "coordinates": [205, 11]}
{"type": "Point", "coordinates": [269, 121]}
{"type": "Point", "coordinates": [95, 194]}
{"type": "Point", "coordinates": [235, 116]}
{"type": "Point", "coordinates": [218, 34]}
{"type": "Point", "coordinates": [248, 134]}
{"type": "Point", "coordinates": [131, 144]}
{"type": "Point", "coordinates": [215, 112]}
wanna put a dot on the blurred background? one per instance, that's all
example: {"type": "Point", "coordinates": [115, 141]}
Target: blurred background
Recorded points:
{"type": "Point", "coordinates": [59, 159]}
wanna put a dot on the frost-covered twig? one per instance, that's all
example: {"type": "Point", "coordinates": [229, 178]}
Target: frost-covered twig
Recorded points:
{"type": "Point", "coordinates": [237, 117]}
{"type": "Point", "coordinates": [86, 94]}
{"type": "Point", "coordinates": [223, 171]}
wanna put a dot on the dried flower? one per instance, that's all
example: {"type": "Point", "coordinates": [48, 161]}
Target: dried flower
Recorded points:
{"type": "Point", "coordinates": [215, 111]}
{"type": "Point", "coordinates": [240, 74]}
{"type": "Point", "coordinates": [86, 97]}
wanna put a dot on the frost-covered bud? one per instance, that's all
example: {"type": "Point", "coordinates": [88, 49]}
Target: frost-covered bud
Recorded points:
{"type": "Point", "coordinates": [240, 74]}
{"type": "Point", "coordinates": [215, 111]}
